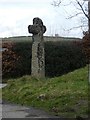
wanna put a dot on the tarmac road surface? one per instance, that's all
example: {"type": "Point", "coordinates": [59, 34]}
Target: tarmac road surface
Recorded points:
{"type": "Point", "coordinates": [17, 111]}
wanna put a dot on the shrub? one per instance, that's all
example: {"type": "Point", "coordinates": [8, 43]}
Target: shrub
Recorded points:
{"type": "Point", "coordinates": [63, 57]}
{"type": "Point", "coordinates": [86, 45]}
{"type": "Point", "coordinates": [9, 60]}
{"type": "Point", "coordinates": [60, 58]}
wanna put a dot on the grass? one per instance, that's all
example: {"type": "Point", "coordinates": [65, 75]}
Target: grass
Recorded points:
{"type": "Point", "coordinates": [0, 93]}
{"type": "Point", "coordinates": [65, 96]}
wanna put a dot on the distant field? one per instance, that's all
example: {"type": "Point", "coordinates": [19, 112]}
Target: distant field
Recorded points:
{"type": "Point", "coordinates": [46, 38]}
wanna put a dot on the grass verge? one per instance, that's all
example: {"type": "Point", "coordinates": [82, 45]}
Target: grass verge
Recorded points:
{"type": "Point", "coordinates": [0, 93]}
{"type": "Point", "coordinates": [65, 96]}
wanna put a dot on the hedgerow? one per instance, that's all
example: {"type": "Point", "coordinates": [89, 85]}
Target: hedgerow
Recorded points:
{"type": "Point", "coordinates": [60, 58]}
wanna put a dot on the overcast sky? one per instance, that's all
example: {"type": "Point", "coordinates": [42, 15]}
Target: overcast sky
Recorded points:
{"type": "Point", "coordinates": [16, 15]}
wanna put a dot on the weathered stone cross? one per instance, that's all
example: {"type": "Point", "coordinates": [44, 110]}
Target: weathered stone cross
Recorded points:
{"type": "Point", "coordinates": [38, 60]}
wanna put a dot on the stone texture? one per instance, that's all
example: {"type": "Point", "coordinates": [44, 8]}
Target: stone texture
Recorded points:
{"type": "Point", "coordinates": [38, 60]}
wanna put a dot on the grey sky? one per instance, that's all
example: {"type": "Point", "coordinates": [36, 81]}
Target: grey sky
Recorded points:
{"type": "Point", "coordinates": [16, 15]}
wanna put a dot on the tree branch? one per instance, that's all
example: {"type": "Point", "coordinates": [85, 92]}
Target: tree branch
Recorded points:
{"type": "Point", "coordinates": [80, 26]}
{"type": "Point", "coordinates": [56, 4]}
{"type": "Point", "coordinates": [74, 15]}
{"type": "Point", "coordinates": [82, 9]}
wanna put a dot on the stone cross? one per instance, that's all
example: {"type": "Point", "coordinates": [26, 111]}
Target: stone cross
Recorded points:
{"type": "Point", "coordinates": [38, 60]}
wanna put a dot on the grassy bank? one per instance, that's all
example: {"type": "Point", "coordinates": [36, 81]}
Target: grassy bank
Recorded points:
{"type": "Point", "coordinates": [66, 95]}
{"type": "Point", "coordinates": [0, 93]}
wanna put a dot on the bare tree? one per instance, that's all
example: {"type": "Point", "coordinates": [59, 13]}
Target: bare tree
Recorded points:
{"type": "Point", "coordinates": [81, 10]}
{"type": "Point", "coordinates": [85, 10]}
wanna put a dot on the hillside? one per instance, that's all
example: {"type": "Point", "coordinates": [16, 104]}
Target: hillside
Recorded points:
{"type": "Point", "coordinates": [46, 38]}
{"type": "Point", "coordinates": [66, 96]}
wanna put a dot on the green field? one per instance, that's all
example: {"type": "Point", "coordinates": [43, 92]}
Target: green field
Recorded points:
{"type": "Point", "coordinates": [46, 38]}
{"type": "Point", "coordinates": [65, 96]}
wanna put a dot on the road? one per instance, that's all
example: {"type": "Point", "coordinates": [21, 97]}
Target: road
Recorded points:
{"type": "Point", "coordinates": [9, 110]}
{"type": "Point", "coordinates": [17, 111]}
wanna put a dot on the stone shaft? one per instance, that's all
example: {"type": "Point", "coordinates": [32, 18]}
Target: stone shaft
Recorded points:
{"type": "Point", "coordinates": [38, 60]}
